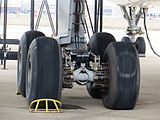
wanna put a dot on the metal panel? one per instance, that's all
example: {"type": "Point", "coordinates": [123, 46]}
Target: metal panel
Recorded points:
{"type": "Point", "coordinates": [12, 55]}
{"type": "Point", "coordinates": [63, 16]}
{"type": "Point", "coordinates": [9, 56]}
{"type": "Point", "coordinates": [70, 19]}
{"type": "Point", "coordinates": [10, 41]}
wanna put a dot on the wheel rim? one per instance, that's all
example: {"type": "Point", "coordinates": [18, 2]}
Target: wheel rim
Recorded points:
{"type": "Point", "coordinates": [29, 75]}
{"type": "Point", "coordinates": [19, 66]}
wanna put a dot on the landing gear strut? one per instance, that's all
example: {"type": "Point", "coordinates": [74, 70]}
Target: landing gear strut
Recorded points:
{"type": "Point", "coordinates": [133, 30]}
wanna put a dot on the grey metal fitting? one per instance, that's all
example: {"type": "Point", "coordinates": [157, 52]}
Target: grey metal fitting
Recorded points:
{"type": "Point", "coordinates": [82, 76]}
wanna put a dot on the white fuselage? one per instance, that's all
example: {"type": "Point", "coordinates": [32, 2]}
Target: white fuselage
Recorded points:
{"type": "Point", "coordinates": [138, 3]}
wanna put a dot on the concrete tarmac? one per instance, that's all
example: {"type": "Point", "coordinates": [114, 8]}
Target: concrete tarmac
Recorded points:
{"type": "Point", "coordinates": [78, 104]}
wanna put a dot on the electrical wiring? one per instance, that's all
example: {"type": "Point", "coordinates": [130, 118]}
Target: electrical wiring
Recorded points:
{"type": "Point", "coordinates": [149, 41]}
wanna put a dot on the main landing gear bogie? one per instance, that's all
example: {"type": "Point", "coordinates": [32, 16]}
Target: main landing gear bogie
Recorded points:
{"type": "Point", "coordinates": [110, 70]}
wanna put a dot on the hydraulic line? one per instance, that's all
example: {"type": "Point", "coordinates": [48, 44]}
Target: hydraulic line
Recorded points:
{"type": "Point", "coordinates": [89, 15]}
{"type": "Point", "coordinates": [101, 15]}
{"type": "Point", "coordinates": [84, 23]}
{"type": "Point", "coordinates": [76, 25]}
{"type": "Point", "coordinates": [145, 26]}
{"type": "Point", "coordinates": [95, 16]}
{"type": "Point", "coordinates": [87, 29]}
{"type": "Point", "coordinates": [78, 15]}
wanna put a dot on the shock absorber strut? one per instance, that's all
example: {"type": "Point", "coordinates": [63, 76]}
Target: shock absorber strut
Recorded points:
{"type": "Point", "coordinates": [132, 19]}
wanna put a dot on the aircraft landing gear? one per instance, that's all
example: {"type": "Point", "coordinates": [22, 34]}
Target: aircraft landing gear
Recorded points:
{"type": "Point", "coordinates": [133, 30]}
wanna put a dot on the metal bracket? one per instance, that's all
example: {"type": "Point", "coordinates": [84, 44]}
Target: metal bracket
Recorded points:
{"type": "Point", "coordinates": [83, 75]}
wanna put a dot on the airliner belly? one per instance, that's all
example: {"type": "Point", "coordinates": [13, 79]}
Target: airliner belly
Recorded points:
{"type": "Point", "coordinates": [139, 3]}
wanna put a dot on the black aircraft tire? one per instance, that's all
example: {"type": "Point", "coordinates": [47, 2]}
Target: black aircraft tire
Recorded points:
{"type": "Point", "coordinates": [140, 45]}
{"type": "Point", "coordinates": [124, 79]}
{"type": "Point", "coordinates": [99, 41]}
{"type": "Point", "coordinates": [97, 44]}
{"type": "Point", "coordinates": [24, 44]}
{"type": "Point", "coordinates": [44, 70]}
{"type": "Point", "coordinates": [125, 39]}
{"type": "Point", "coordinates": [93, 92]}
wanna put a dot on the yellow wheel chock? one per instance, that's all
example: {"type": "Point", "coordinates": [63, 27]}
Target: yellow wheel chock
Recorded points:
{"type": "Point", "coordinates": [46, 106]}
{"type": "Point", "coordinates": [18, 92]}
